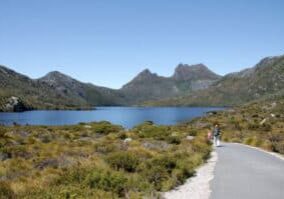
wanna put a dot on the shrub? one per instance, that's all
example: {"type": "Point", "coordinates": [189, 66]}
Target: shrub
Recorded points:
{"type": "Point", "coordinates": [173, 139]}
{"type": "Point", "coordinates": [193, 132]}
{"type": "Point", "coordinates": [6, 191]}
{"type": "Point", "coordinates": [277, 141]}
{"type": "Point", "coordinates": [253, 126]}
{"type": "Point", "coordinates": [156, 175]}
{"type": "Point", "coordinates": [137, 182]}
{"type": "Point", "coordinates": [122, 135]}
{"type": "Point", "coordinates": [248, 140]}
{"type": "Point", "coordinates": [107, 181]}
{"type": "Point", "coordinates": [123, 160]}
{"type": "Point", "coordinates": [158, 170]}
{"type": "Point", "coordinates": [201, 146]}
{"type": "Point", "coordinates": [266, 127]}
{"type": "Point", "coordinates": [105, 147]}
{"type": "Point", "coordinates": [279, 147]}
{"type": "Point", "coordinates": [46, 138]}
{"type": "Point", "coordinates": [149, 130]}
{"type": "Point", "coordinates": [105, 128]}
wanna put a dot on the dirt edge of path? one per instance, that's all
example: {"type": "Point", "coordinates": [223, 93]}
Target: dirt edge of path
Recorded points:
{"type": "Point", "coordinates": [197, 187]}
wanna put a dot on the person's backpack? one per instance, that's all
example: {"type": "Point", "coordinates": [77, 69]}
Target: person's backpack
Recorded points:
{"type": "Point", "coordinates": [216, 132]}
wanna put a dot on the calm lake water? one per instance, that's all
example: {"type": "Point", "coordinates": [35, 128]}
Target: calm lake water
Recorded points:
{"type": "Point", "coordinates": [125, 116]}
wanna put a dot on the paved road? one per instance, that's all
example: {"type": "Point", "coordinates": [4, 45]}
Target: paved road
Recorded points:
{"type": "Point", "coordinates": [245, 173]}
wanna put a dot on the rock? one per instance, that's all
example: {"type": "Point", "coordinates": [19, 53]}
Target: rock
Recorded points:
{"type": "Point", "coordinates": [273, 104]}
{"type": "Point", "coordinates": [263, 121]}
{"type": "Point", "coordinates": [60, 162]}
{"type": "Point", "coordinates": [23, 134]}
{"type": "Point", "coordinates": [4, 156]}
{"type": "Point", "coordinates": [15, 104]}
{"type": "Point", "coordinates": [212, 112]}
{"type": "Point", "coordinates": [189, 137]}
{"type": "Point", "coordinates": [160, 145]}
{"type": "Point", "coordinates": [47, 163]}
{"type": "Point", "coordinates": [127, 140]}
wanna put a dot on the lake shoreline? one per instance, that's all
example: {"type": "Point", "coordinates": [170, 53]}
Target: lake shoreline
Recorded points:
{"type": "Point", "coordinates": [121, 115]}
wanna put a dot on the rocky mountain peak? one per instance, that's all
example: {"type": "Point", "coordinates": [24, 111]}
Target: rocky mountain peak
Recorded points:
{"type": "Point", "coordinates": [146, 72]}
{"type": "Point", "coordinates": [199, 66]}
{"type": "Point", "coordinates": [268, 61]}
{"type": "Point", "coordinates": [185, 72]}
{"type": "Point", "coordinates": [265, 61]}
{"type": "Point", "coordinates": [145, 75]}
{"type": "Point", "coordinates": [56, 76]}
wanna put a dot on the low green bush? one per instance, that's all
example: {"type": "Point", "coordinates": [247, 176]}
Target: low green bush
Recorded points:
{"type": "Point", "coordinates": [279, 147]}
{"type": "Point", "coordinates": [173, 139]}
{"type": "Point", "coordinates": [150, 130]}
{"type": "Point", "coordinates": [123, 160]}
{"type": "Point", "coordinates": [112, 181]}
{"type": "Point", "coordinates": [105, 128]}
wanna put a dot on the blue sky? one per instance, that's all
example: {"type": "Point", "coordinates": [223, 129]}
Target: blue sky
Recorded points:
{"type": "Point", "coordinates": [108, 42]}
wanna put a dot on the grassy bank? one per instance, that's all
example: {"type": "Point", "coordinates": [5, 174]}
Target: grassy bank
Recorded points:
{"type": "Point", "coordinates": [97, 160]}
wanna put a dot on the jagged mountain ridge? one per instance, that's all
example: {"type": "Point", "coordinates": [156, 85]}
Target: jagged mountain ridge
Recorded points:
{"type": "Point", "coordinates": [56, 90]}
{"type": "Point", "coordinates": [150, 86]}
{"type": "Point", "coordinates": [185, 72]}
{"type": "Point", "coordinates": [264, 79]}
{"type": "Point", "coordinates": [190, 85]}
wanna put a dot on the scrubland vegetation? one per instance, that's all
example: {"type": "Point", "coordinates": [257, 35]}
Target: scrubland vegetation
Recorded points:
{"type": "Point", "coordinates": [260, 124]}
{"type": "Point", "coordinates": [102, 160]}
{"type": "Point", "coordinates": [98, 160]}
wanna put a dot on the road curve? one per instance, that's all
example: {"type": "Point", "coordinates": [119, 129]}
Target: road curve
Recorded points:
{"type": "Point", "coordinates": [246, 173]}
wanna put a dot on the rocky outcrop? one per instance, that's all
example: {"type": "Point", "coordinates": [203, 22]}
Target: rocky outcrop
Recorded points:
{"type": "Point", "coordinates": [184, 72]}
{"type": "Point", "coordinates": [14, 104]}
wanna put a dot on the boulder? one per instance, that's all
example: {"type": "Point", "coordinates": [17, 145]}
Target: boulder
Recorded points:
{"type": "Point", "coordinates": [15, 104]}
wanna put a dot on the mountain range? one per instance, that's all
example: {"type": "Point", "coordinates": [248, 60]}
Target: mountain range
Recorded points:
{"type": "Point", "coordinates": [263, 80]}
{"type": "Point", "coordinates": [190, 85]}
{"type": "Point", "coordinates": [150, 86]}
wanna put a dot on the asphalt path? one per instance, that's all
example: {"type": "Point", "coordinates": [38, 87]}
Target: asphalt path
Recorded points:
{"type": "Point", "coordinates": [246, 173]}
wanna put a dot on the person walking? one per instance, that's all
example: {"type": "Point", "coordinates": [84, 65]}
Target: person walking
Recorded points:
{"type": "Point", "coordinates": [216, 135]}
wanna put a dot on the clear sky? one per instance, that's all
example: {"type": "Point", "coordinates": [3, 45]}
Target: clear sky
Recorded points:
{"type": "Point", "coordinates": [107, 42]}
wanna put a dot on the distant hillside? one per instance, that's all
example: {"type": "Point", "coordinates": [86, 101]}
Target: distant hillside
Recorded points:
{"type": "Point", "coordinates": [82, 92]}
{"type": "Point", "coordinates": [28, 91]}
{"type": "Point", "coordinates": [150, 86]}
{"type": "Point", "coordinates": [190, 85]}
{"type": "Point", "coordinates": [54, 91]}
{"type": "Point", "coordinates": [264, 79]}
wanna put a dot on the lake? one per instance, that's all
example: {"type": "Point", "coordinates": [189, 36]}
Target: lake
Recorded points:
{"type": "Point", "coordinates": [125, 116]}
